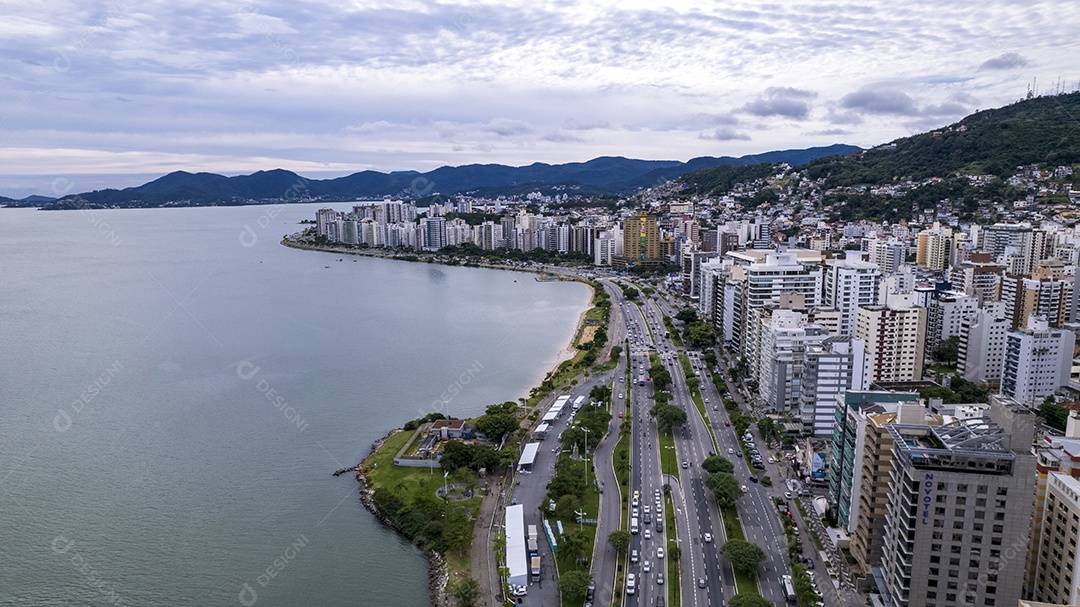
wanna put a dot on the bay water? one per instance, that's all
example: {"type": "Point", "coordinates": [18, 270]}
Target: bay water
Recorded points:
{"type": "Point", "coordinates": [176, 388]}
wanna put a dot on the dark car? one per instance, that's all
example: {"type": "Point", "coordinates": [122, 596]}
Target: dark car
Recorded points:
{"type": "Point", "coordinates": [590, 591]}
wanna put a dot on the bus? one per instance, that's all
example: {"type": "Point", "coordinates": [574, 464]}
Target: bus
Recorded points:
{"type": "Point", "coordinates": [788, 587]}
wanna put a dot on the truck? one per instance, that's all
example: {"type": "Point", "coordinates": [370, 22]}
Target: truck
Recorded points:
{"type": "Point", "coordinates": [532, 533]}
{"type": "Point", "coordinates": [534, 549]}
{"type": "Point", "coordinates": [535, 568]}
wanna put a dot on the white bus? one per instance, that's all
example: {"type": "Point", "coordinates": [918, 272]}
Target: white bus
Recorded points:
{"type": "Point", "coordinates": [788, 587]}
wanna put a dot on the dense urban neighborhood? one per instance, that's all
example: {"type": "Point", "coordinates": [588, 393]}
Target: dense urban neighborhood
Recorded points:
{"type": "Point", "coordinates": [778, 398]}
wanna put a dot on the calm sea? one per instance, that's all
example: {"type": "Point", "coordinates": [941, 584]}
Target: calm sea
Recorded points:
{"type": "Point", "coordinates": [177, 389]}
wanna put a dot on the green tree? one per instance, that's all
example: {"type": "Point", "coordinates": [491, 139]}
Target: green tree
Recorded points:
{"type": "Point", "coordinates": [661, 377]}
{"type": "Point", "coordinates": [467, 591]}
{"type": "Point", "coordinates": [566, 506]}
{"type": "Point", "coordinates": [1055, 415]}
{"type": "Point", "coordinates": [698, 334]}
{"type": "Point", "coordinates": [687, 315]}
{"type": "Point", "coordinates": [574, 545]}
{"type": "Point", "coordinates": [744, 556]}
{"type": "Point", "coordinates": [496, 425]}
{"type": "Point", "coordinates": [725, 487]}
{"type": "Point", "coordinates": [574, 585]}
{"type": "Point", "coordinates": [600, 393]}
{"type": "Point", "coordinates": [948, 350]}
{"type": "Point", "coordinates": [630, 293]}
{"type": "Point", "coordinates": [668, 416]}
{"type": "Point", "coordinates": [747, 599]}
{"type": "Point", "coordinates": [710, 358]}
{"type": "Point", "coordinates": [717, 463]}
{"type": "Point", "coordinates": [619, 540]}
{"type": "Point", "coordinates": [767, 427]}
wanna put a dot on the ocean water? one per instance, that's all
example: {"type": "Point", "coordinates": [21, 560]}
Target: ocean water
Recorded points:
{"type": "Point", "coordinates": [177, 388]}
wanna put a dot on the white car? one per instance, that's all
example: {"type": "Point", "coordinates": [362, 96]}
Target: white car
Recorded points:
{"type": "Point", "coordinates": [660, 553]}
{"type": "Point", "coordinates": [645, 508]}
{"type": "Point", "coordinates": [744, 489]}
{"type": "Point", "coordinates": [730, 450]}
{"type": "Point", "coordinates": [648, 534]}
{"type": "Point", "coordinates": [708, 538]}
{"type": "Point", "coordinates": [646, 566]}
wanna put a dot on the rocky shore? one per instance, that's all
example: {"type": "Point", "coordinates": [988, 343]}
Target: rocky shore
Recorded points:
{"type": "Point", "coordinates": [437, 572]}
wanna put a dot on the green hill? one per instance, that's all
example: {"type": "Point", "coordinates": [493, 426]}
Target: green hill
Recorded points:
{"type": "Point", "coordinates": [994, 142]}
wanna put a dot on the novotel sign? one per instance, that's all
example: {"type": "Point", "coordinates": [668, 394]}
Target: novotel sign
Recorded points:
{"type": "Point", "coordinates": [928, 486]}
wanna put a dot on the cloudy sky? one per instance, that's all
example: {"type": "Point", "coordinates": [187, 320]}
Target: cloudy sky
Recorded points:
{"type": "Point", "coordinates": [111, 94]}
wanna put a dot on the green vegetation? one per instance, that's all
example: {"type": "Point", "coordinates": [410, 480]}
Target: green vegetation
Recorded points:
{"type": "Point", "coordinates": [466, 591]}
{"type": "Point", "coordinates": [498, 421]}
{"type": "Point", "coordinates": [574, 584]}
{"type": "Point", "coordinates": [962, 391]}
{"type": "Point", "coordinates": [674, 552]}
{"type": "Point", "coordinates": [409, 500]}
{"type": "Point", "coordinates": [947, 351]}
{"type": "Point", "coordinates": [668, 457]}
{"type": "Point", "coordinates": [543, 256]}
{"type": "Point", "coordinates": [724, 487]}
{"type": "Point", "coordinates": [1056, 416]}
{"type": "Point", "coordinates": [748, 600]}
{"type": "Point", "coordinates": [619, 540]}
{"type": "Point", "coordinates": [744, 556]}
{"type": "Point", "coordinates": [675, 339]}
{"type": "Point", "coordinates": [718, 463]}
{"type": "Point", "coordinates": [719, 180]}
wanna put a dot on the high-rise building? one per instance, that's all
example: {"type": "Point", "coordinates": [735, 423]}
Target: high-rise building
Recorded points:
{"type": "Point", "coordinates": [1059, 560]}
{"type": "Point", "coordinates": [641, 238]}
{"type": "Point", "coordinates": [959, 496]}
{"type": "Point", "coordinates": [895, 341]}
{"type": "Point", "coordinates": [434, 233]}
{"type": "Point", "coordinates": [323, 219]}
{"type": "Point", "coordinates": [870, 494]}
{"type": "Point", "coordinates": [934, 247]}
{"type": "Point", "coordinates": [830, 369]}
{"type": "Point", "coordinates": [889, 255]}
{"type": "Point", "coordinates": [1038, 361]}
{"type": "Point", "coordinates": [981, 349]}
{"type": "Point", "coordinates": [1051, 570]}
{"type": "Point", "coordinates": [604, 249]}
{"type": "Point", "coordinates": [1041, 294]}
{"type": "Point", "coordinates": [849, 284]}
{"type": "Point", "coordinates": [947, 311]}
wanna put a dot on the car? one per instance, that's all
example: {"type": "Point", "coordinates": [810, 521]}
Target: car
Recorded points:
{"type": "Point", "coordinates": [634, 512]}
{"type": "Point", "coordinates": [730, 450]}
{"type": "Point", "coordinates": [805, 493]}
{"type": "Point", "coordinates": [738, 454]}
{"type": "Point", "coordinates": [714, 408]}
{"type": "Point", "coordinates": [637, 494]}
{"type": "Point", "coordinates": [685, 464]}
{"type": "Point", "coordinates": [744, 489]}
{"type": "Point", "coordinates": [631, 583]}
{"type": "Point", "coordinates": [701, 582]}
{"type": "Point", "coordinates": [648, 534]}
{"type": "Point", "coordinates": [753, 479]}
{"type": "Point", "coordinates": [645, 509]}
{"type": "Point", "coordinates": [787, 495]}
{"type": "Point", "coordinates": [659, 526]}
{"type": "Point", "coordinates": [708, 538]}
{"type": "Point", "coordinates": [620, 394]}
{"type": "Point", "coordinates": [728, 424]}
{"type": "Point", "coordinates": [660, 600]}
{"type": "Point", "coordinates": [660, 552]}
{"type": "Point", "coordinates": [648, 519]}
{"type": "Point", "coordinates": [646, 566]}
{"type": "Point", "coordinates": [660, 578]}
{"type": "Point", "coordinates": [772, 460]}
{"type": "Point", "coordinates": [590, 592]}
{"type": "Point", "coordinates": [634, 556]}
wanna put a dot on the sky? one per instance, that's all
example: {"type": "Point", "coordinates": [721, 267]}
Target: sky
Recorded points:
{"type": "Point", "coordinates": [113, 94]}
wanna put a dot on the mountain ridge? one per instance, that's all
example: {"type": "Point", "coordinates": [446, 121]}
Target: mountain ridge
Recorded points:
{"type": "Point", "coordinates": [611, 175]}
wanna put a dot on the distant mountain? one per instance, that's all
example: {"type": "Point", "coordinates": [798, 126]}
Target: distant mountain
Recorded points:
{"type": "Point", "coordinates": [604, 175]}
{"type": "Point", "coordinates": [29, 201]}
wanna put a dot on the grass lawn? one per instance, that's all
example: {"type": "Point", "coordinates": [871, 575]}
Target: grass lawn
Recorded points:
{"type": "Point", "coordinates": [407, 482]}
{"type": "Point", "coordinates": [695, 395]}
{"type": "Point", "coordinates": [733, 529]}
{"type": "Point", "coordinates": [669, 463]}
{"type": "Point", "coordinates": [673, 565]}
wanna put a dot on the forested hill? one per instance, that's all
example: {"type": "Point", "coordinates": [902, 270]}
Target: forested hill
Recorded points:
{"type": "Point", "coordinates": [1044, 130]}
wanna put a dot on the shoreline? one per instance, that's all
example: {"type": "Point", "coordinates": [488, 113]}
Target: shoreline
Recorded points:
{"type": "Point", "coordinates": [438, 574]}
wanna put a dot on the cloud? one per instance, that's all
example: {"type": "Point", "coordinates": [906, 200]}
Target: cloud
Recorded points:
{"type": "Point", "coordinates": [829, 132]}
{"type": "Point", "coordinates": [725, 133]}
{"type": "Point", "coordinates": [781, 101]}
{"type": "Point", "coordinates": [880, 101]}
{"type": "Point", "coordinates": [505, 127]}
{"type": "Point", "coordinates": [1005, 61]}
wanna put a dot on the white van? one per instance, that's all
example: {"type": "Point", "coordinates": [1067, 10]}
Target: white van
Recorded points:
{"type": "Point", "coordinates": [634, 525]}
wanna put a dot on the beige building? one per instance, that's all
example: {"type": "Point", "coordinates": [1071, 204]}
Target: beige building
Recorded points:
{"type": "Point", "coordinates": [1055, 455]}
{"type": "Point", "coordinates": [895, 340]}
{"type": "Point", "coordinates": [934, 247]}
{"type": "Point", "coordinates": [868, 540]}
{"type": "Point", "coordinates": [1058, 568]}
